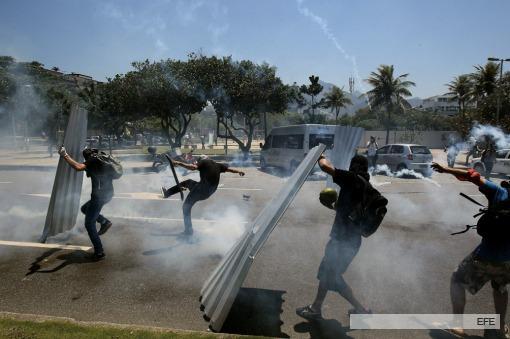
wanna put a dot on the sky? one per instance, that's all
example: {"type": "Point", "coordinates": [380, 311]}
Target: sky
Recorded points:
{"type": "Point", "coordinates": [433, 40]}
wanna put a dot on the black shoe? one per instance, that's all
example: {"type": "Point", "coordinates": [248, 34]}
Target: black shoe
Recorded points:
{"type": "Point", "coordinates": [308, 313]}
{"type": "Point", "coordinates": [165, 193]}
{"type": "Point", "coordinates": [104, 227]}
{"type": "Point", "coordinates": [97, 256]}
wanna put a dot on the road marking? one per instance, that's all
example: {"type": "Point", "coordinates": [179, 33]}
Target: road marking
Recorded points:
{"type": "Point", "coordinates": [41, 245]}
{"type": "Point", "coordinates": [171, 219]}
{"type": "Point", "coordinates": [239, 189]}
{"type": "Point", "coordinates": [126, 196]}
{"type": "Point", "coordinates": [5, 182]}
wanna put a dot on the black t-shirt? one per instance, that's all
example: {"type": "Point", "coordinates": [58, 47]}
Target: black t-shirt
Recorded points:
{"type": "Point", "coordinates": [102, 185]}
{"type": "Point", "coordinates": [352, 189]}
{"type": "Point", "coordinates": [210, 171]}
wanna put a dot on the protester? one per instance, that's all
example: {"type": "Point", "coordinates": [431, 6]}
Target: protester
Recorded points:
{"type": "Point", "coordinates": [451, 154]}
{"type": "Point", "coordinates": [372, 147]}
{"type": "Point", "coordinates": [490, 261]}
{"type": "Point", "coordinates": [209, 179]}
{"type": "Point", "coordinates": [489, 158]}
{"type": "Point", "coordinates": [474, 150]}
{"type": "Point", "coordinates": [345, 237]}
{"type": "Point", "coordinates": [102, 193]}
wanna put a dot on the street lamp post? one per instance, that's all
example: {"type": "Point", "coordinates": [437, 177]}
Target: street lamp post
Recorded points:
{"type": "Point", "coordinates": [500, 89]}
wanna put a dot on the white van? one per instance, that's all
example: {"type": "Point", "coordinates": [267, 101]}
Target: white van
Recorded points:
{"type": "Point", "coordinates": [287, 146]}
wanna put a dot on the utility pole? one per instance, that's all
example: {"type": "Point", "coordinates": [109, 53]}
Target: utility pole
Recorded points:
{"type": "Point", "coordinates": [500, 87]}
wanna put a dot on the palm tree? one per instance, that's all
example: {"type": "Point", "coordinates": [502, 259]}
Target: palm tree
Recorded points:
{"type": "Point", "coordinates": [485, 80]}
{"type": "Point", "coordinates": [461, 87]}
{"type": "Point", "coordinates": [313, 90]}
{"type": "Point", "coordinates": [335, 100]}
{"type": "Point", "coordinates": [388, 92]}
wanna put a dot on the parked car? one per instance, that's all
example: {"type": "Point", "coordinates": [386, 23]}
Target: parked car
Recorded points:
{"type": "Point", "coordinates": [502, 164]}
{"type": "Point", "coordinates": [405, 156]}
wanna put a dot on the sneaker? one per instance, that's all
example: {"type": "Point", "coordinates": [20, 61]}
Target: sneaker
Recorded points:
{"type": "Point", "coordinates": [98, 256]}
{"type": "Point", "coordinates": [308, 313]}
{"type": "Point", "coordinates": [104, 227]}
{"type": "Point", "coordinates": [164, 192]}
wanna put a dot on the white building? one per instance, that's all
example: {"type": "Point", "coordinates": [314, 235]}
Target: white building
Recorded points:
{"type": "Point", "coordinates": [445, 104]}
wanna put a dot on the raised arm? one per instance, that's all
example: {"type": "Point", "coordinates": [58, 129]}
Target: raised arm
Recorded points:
{"type": "Point", "coordinates": [325, 165]}
{"type": "Point", "coordinates": [73, 163]}
{"type": "Point", "coordinates": [233, 170]}
{"type": "Point", "coordinates": [189, 167]}
{"type": "Point", "coordinates": [461, 174]}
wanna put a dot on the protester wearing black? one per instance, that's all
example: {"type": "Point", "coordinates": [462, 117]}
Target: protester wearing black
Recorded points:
{"type": "Point", "coordinates": [489, 159]}
{"type": "Point", "coordinates": [209, 179]}
{"type": "Point", "coordinates": [345, 237]}
{"type": "Point", "coordinates": [102, 193]}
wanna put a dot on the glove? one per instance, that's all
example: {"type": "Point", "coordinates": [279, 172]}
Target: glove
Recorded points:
{"type": "Point", "coordinates": [62, 151]}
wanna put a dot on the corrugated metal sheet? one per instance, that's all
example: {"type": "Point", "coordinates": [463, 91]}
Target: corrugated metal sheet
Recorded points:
{"type": "Point", "coordinates": [346, 141]}
{"type": "Point", "coordinates": [221, 288]}
{"type": "Point", "coordinates": [65, 196]}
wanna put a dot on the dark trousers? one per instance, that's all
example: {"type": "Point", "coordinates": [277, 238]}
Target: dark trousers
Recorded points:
{"type": "Point", "coordinates": [92, 211]}
{"type": "Point", "coordinates": [198, 191]}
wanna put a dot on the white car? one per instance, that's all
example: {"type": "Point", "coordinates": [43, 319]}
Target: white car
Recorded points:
{"type": "Point", "coordinates": [502, 164]}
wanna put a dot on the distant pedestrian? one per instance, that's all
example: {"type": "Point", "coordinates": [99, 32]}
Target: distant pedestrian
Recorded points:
{"type": "Point", "coordinates": [372, 147]}
{"type": "Point", "coordinates": [474, 150]}
{"type": "Point", "coordinates": [489, 158]}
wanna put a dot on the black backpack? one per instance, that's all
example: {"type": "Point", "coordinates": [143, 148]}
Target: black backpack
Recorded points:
{"type": "Point", "coordinates": [494, 221]}
{"type": "Point", "coordinates": [370, 211]}
{"type": "Point", "coordinates": [107, 165]}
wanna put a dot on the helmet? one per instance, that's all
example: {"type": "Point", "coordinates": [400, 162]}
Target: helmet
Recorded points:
{"type": "Point", "coordinates": [328, 197]}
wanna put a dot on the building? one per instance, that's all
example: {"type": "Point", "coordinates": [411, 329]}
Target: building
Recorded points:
{"type": "Point", "coordinates": [445, 104]}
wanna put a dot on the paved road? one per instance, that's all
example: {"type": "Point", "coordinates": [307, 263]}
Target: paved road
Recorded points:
{"type": "Point", "coordinates": [150, 277]}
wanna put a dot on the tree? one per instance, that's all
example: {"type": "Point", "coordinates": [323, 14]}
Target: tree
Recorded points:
{"type": "Point", "coordinates": [312, 90]}
{"type": "Point", "coordinates": [461, 87]}
{"type": "Point", "coordinates": [336, 100]}
{"type": "Point", "coordinates": [240, 92]}
{"type": "Point", "coordinates": [389, 93]}
{"type": "Point", "coordinates": [166, 91]}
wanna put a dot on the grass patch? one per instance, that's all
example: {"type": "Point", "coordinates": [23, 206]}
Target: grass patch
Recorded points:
{"type": "Point", "coordinates": [24, 329]}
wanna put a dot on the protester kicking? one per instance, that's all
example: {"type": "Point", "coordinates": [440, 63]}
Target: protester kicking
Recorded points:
{"type": "Point", "coordinates": [102, 193]}
{"type": "Point", "coordinates": [490, 261]}
{"type": "Point", "coordinates": [209, 179]}
{"type": "Point", "coordinates": [345, 237]}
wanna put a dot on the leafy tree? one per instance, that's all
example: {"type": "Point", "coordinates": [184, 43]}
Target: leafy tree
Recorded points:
{"type": "Point", "coordinates": [240, 92]}
{"type": "Point", "coordinates": [312, 90]}
{"type": "Point", "coordinates": [166, 91]}
{"type": "Point", "coordinates": [336, 100]}
{"type": "Point", "coordinates": [389, 92]}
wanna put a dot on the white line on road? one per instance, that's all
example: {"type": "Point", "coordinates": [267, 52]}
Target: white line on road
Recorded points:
{"type": "Point", "coordinates": [126, 196]}
{"type": "Point", "coordinates": [170, 219]}
{"type": "Point", "coordinates": [5, 182]}
{"type": "Point", "coordinates": [40, 245]}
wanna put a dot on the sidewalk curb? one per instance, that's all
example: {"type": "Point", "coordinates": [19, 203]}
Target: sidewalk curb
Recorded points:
{"type": "Point", "coordinates": [45, 318]}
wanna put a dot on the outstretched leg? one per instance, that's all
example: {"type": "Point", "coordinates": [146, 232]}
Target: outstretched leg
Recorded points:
{"type": "Point", "coordinates": [186, 184]}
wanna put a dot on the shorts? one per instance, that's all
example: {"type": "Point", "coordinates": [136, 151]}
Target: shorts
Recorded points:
{"type": "Point", "coordinates": [337, 257]}
{"type": "Point", "coordinates": [473, 274]}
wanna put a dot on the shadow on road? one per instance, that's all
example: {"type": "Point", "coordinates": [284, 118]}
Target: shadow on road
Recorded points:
{"type": "Point", "coordinates": [323, 329]}
{"type": "Point", "coordinates": [443, 334]}
{"type": "Point", "coordinates": [42, 263]}
{"type": "Point", "coordinates": [256, 312]}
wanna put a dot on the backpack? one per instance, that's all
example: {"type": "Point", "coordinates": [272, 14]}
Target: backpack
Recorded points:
{"type": "Point", "coordinates": [370, 211]}
{"type": "Point", "coordinates": [109, 165]}
{"type": "Point", "coordinates": [494, 221]}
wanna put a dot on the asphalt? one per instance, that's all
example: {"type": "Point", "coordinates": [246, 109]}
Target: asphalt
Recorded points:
{"type": "Point", "coordinates": [151, 277]}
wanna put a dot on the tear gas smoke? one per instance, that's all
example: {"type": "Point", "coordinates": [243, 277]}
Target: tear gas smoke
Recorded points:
{"type": "Point", "coordinates": [479, 132]}
{"type": "Point", "coordinates": [404, 173]}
